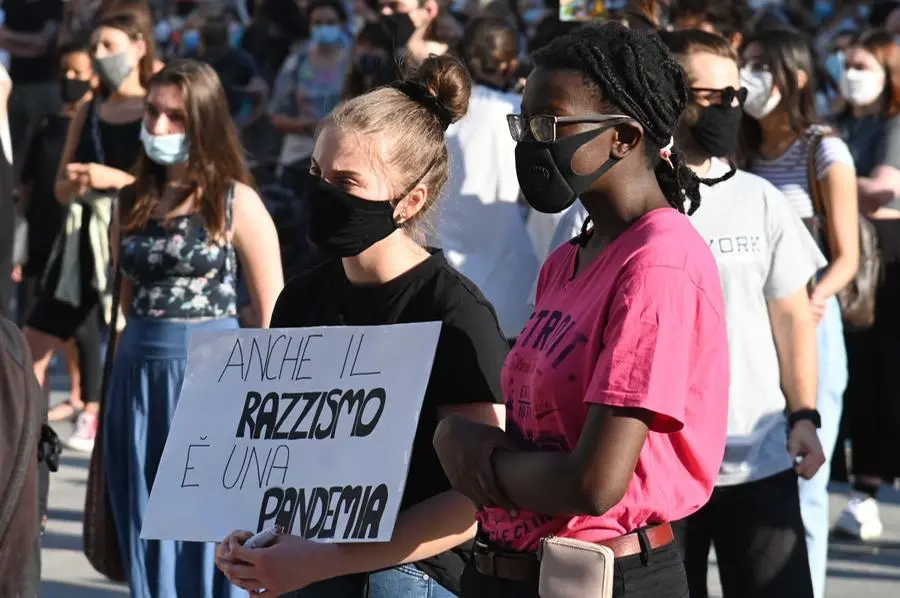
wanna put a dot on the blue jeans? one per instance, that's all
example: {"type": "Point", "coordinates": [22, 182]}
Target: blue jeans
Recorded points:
{"type": "Point", "coordinates": [404, 581]}
{"type": "Point", "coordinates": [814, 492]}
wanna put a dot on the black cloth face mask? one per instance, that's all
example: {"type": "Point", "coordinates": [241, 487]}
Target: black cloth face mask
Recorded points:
{"type": "Point", "coordinates": [399, 26]}
{"type": "Point", "coordinates": [545, 171]}
{"type": "Point", "coordinates": [72, 90]}
{"type": "Point", "coordinates": [717, 128]}
{"type": "Point", "coordinates": [345, 225]}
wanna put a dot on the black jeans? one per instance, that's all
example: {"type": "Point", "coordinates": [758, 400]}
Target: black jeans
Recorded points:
{"type": "Point", "coordinates": [759, 538]}
{"type": "Point", "coordinates": [658, 574]}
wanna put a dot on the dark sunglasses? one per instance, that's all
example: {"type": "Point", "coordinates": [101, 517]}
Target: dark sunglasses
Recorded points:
{"type": "Point", "coordinates": [724, 96]}
{"type": "Point", "coordinates": [543, 126]}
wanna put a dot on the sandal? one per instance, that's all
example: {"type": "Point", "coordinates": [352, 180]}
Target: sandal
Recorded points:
{"type": "Point", "coordinates": [67, 410]}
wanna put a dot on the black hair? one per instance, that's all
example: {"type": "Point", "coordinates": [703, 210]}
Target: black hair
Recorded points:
{"type": "Point", "coordinates": [785, 52]}
{"type": "Point", "coordinates": [74, 44]}
{"type": "Point", "coordinates": [214, 32]}
{"type": "Point", "coordinates": [487, 43]}
{"type": "Point", "coordinates": [634, 74]}
{"type": "Point", "coordinates": [880, 13]}
{"type": "Point", "coordinates": [336, 5]}
{"type": "Point", "coordinates": [727, 16]}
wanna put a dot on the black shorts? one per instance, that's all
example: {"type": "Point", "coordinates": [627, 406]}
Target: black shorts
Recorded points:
{"type": "Point", "coordinates": [58, 318]}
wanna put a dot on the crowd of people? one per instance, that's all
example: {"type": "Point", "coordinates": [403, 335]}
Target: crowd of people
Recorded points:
{"type": "Point", "coordinates": [664, 246]}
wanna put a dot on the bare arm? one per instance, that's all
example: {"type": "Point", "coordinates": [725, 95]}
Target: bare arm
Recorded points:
{"type": "Point", "coordinates": [256, 242]}
{"type": "Point", "coordinates": [426, 529]}
{"type": "Point", "coordinates": [794, 332]}
{"type": "Point", "coordinates": [879, 188]}
{"type": "Point", "coordinates": [588, 481]}
{"type": "Point", "coordinates": [839, 195]}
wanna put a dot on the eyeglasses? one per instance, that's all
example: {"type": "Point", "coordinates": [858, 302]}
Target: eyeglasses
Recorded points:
{"type": "Point", "coordinates": [543, 126]}
{"type": "Point", "coordinates": [721, 97]}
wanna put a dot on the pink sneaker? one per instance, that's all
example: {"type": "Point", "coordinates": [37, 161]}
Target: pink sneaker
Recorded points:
{"type": "Point", "coordinates": [82, 440]}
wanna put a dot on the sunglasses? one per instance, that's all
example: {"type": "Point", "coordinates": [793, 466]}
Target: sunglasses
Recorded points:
{"type": "Point", "coordinates": [543, 126]}
{"type": "Point", "coordinates": [722, 97]}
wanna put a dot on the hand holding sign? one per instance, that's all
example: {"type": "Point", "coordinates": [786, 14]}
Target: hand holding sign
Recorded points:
{"type": "Point", "coordinates": [289, 563]}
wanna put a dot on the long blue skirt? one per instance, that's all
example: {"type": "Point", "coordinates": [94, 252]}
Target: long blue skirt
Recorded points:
{"type": "Point", "coordinates": [143, 390]}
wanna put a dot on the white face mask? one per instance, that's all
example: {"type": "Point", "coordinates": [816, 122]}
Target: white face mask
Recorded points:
{"type": "Point", "coordinates": [861, 88]}
{"type": "Point", "coordinates": [762, 97]}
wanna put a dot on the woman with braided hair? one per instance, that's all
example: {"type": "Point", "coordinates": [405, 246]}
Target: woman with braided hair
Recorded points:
{"type": "Point", "coordinates": [616, 390]}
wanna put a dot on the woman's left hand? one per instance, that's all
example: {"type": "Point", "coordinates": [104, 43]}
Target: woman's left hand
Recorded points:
{"type": "Point", "coordinates": [290, 563]}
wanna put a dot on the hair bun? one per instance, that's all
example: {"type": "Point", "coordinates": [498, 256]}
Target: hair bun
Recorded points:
{"type": "Point", "coordinates": [446, 79]}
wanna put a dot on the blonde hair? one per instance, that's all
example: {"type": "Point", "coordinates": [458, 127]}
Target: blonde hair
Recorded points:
{"type": "Point", "coordinates": [417, 151]}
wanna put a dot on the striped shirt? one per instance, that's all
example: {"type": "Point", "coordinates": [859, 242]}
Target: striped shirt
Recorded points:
{"type": "Point", "coordinates": [789, 171]}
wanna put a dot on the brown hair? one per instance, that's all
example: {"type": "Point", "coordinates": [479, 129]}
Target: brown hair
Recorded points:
{"type": "Point", "coordinates": [881, 44]}
{"type": "Point", "coordinates": [418, 150]}
{"type": "Point", "coordinates": [696, 41]}
{"type": "Point", "coordinates": [215, 161]}
{"type": "Point", "coordinates": [785, 52]}
{"type": "Point", "coordinates": [137, 27]}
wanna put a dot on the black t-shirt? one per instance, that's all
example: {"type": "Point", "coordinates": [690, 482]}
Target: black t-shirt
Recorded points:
{"type": "Point", "coordinates": [45, 215]}
{"type": "Point", "coordinates": [30, 16]}
{"type": "Point", "coordinates": [467, 362]}
{"type": "Point", "coordinates": [236, 68]}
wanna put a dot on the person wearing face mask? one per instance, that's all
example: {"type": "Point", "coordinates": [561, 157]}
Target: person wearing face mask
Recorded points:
{"type": "Point", "coordinates": [46, 218]}
{"type": "Point", "coordinates": [191, 191]}
{"type": "Point", "coordinates": [373, 63]}
{"type": "Point", "coordinates": [420, 28]}
{"type": "Point", "coordinates": [100, 149]}
{"type": "Point", "coordinates": [871, 127]}
{"type": "Point", "coordinates": [617, 387]}
{"type": "Point", "coordinates": [245, 89]}
{"type": "Point", "coordinates": [309, 85]}
{"type": "Point", "coordinates": [765, 258]}
{"type": "Point", "coordinates": [482, 225]}
{"type": "Point", "coordinates": [379, 165]}
{"type": "Point", "coordinates": [786, 146]}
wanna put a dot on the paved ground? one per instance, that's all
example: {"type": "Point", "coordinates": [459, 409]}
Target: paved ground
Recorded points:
{"type": "Point", "coordinates": [855, 570]}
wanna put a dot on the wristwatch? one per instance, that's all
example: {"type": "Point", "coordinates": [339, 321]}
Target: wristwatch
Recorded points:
{"type": "Point", "coordinates": [811, 415]}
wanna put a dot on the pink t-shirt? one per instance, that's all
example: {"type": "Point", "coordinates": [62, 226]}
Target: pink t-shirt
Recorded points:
{"type": "Point", "coordinates": [642, 326]}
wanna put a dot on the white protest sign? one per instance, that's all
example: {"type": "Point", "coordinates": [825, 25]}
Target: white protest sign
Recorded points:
{"type": "Point", "coordinates": [309, 428]}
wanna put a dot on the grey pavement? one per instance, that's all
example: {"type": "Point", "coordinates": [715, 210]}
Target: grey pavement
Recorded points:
{"type": "Point", "coordinates": [855, 570]}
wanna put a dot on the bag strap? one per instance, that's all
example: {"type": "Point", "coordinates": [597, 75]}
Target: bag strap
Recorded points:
{"type": "Point", "coordinates": [815, 189]}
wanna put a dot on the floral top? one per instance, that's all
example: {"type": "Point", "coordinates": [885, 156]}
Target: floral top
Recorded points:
{"type": "Point", "coordinates": [179, 272]}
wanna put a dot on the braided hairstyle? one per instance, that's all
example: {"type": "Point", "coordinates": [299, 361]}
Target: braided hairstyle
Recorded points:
{"type": "Point", "coordinates": [635, 75]}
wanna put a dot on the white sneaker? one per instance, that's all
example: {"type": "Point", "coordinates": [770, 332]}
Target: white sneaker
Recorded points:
{"type": "Point", "coordinates": [860, 518]}
{"type": "Point", "coordinates": [82, 440]}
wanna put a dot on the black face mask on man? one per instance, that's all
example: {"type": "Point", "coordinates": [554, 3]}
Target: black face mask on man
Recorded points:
{"type": "Point", "coordinates": [545, 174]}
{"type": "Point", "coordinates": [399, 27]}
{"type": "Point", "coordinates": [717, 128]}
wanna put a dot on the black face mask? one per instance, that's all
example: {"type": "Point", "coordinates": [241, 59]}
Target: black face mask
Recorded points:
{"type": "Point", "coordinates": [545, 171]}
{"type": "Point", "coordinates": [346, 225]}
{"type": "Point", "coordinates": [717, 128]}
{"type": "Point", "coordinates": [72, 90]}
{"type": "Point", "coordinates": [399, 26]}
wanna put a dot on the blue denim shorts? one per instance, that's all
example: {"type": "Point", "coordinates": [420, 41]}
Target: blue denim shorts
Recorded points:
{"type": "Point", "coordinates": [404, 581]}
